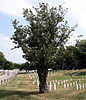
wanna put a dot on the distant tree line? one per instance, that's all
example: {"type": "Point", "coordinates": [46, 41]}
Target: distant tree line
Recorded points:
{"type": "Point", "coordinates": [8, 65]}
{"type": "Point", "coordinates": [67, 57]}
{"type": "Point", "coordinates": [4, 63]}
{"type": "Point", "coordinates": [71, 57]}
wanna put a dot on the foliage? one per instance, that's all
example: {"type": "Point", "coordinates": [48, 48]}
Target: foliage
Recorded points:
{"type": "Point", "coordinates": [60, 58]}
{"type": "Point", "coordinates": [43, 33]}
{"type": "Point", "coordinates": [40, 39]}
{"type": "Point", "coordinates": [81, 53]}
{"type": "Point", "coordinates": [2, 60]}
{"type": "Point", "coordinates": [28, 66]}
{"type": "Point", "coordinates": [25, 66]}
{"type": "Point", "coordinates": [71, 57]}
{"type": "Point", "coordinates": [8, 65]}
{"type": "Point", "coordinates": [17, 66]}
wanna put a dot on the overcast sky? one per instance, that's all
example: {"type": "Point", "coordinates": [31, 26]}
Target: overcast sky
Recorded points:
{"type": "Point", "coordinates": [12, 9]}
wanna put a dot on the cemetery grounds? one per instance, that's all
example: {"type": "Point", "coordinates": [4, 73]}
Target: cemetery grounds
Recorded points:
{"type": "Point", "coordinates": [63, 85]}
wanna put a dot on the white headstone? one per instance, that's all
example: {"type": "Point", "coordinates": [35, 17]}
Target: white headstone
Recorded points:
{"type": "Point", "coordinates": [67, 84]}
{"type": "Point", "coordinates": [76, 82]}
{"type": "Point", "coordinates": [50, 87]}
{"type": "Point", "coordinates": [58, 83]}
{"type": "Point", "coordinates": [64, 81]}
{"type": "Point", "coordinates": [64, 85]}
{"type": "Point", "coordinates": [33, 82]}
{"type": "Point", "coordinates": [83, 86]}
{"type": "Point", "coordinates": [76, 87]}
{"type": "Point", "coordinates": [38, 84]}
{"type": "Point", "coordinates": [70, 84]}
{"type": "Point", "coordinates": [54, 86]}
{"type": "Point", "coordinates": [50, 83]}
{"type": "Point", "coordinates": [73, 83]}
{"type": "Point", "coordinates": [79, 86]}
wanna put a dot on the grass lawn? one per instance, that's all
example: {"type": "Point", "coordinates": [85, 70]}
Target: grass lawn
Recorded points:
{"type": "Point", "coordinates": [22, 87]}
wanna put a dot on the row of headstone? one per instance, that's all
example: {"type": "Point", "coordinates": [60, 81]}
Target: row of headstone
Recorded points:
{"type": "Point", "coordinates": [50, 87]}
{"type": "Point", "coordinates": [34, 75]}
{"type": "Point", "coordinates": [60, 72]}
{"type": "Point", "coordinates": [70, 84]}
{"type": "Point", "coordinates": [55, 72]}
{"type": "Point", "coordinates": [66, 85]}
{"type": "Point", "coordinates": [60, 82]}
{"type": "Point", "coordinates": [64, 82]}
{"type": "Point", "coordinates": [77, 87]}
{"type": "Point", "coordinates": [80, 86]}
{"type": "Point", "coordinates": [54, 81]}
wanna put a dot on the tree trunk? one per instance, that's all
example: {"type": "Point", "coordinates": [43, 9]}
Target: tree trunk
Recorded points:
{"type": "Point", "coordinates": [42, 73]}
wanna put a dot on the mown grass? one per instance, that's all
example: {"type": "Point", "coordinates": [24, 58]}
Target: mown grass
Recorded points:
{"type": "Point", "coordinates": [21, 88]}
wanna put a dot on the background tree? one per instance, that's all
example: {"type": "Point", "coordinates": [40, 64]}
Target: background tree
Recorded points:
{"type": "Point", "coordinates": [2, 60]}
{"type": "Point", "coordinates": [17, 66]}
{"type": "Point", "coordinates": [28, 66]}
{"type": "Point", "coordinates": [81, 54]}
{"type": "Point", "coordinates": [60, 58]}
{"type": "Point", "coordinates": [70, 58]}
{"type": "Point", "coordinates": [8, 65]}
{"type": "Point", "coordinates": [40, 39]}
{"type": "Point", "coordinates": [25, 66]}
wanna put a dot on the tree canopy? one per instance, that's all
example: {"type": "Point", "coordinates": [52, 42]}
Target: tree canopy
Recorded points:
{"type": "Point", "coordinates": [4, 64]}
{"type": "Point", "coordinates": [2, 60]}
{"type": "Point", "coordinates": [8, 65]}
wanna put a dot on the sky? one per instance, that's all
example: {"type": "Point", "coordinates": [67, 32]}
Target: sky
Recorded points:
{"type": "Point", "coordinates": [12, 9]}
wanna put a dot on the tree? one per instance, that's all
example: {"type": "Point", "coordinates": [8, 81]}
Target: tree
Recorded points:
{"type": "Point", "coordinates": [28, 66]}
{"type": "Point", "coordinates": [2, 60]}
{"type": "Point", "coordinates": [40, 39]}
{"type": "Point", "coordinates": [17, 66]}
{"type": "Point", "coordinates": [60, 58]}
{"type": "Point", "coordinates": [25, 66]}
{"type": "Point", "coordinates": [81, 54]}
{"type": "Point", "coordinates": [8, 65]}
{"type": "Point", "coordinates": [70, 57]}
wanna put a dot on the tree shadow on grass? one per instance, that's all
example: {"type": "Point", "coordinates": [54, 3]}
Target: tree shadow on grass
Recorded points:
{"type": "Point", "coordinates": [14, 95]}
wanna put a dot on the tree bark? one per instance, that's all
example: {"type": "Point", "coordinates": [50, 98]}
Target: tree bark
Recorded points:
{"type": "Point", "coordinates": [42, 73]}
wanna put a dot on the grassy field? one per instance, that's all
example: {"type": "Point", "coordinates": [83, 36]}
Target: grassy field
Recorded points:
{"type": "Point", "coordinates": [22, 87]}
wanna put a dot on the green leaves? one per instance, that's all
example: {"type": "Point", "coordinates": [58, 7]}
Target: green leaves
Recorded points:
{"type": "Point", "coordinates": [8, 65]}
{"type": "Point", "coordinates": [45, 32]}
{"type": "Point", "coordinates": [2, 59]}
